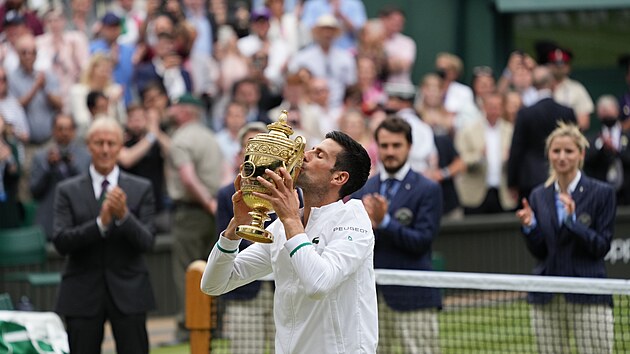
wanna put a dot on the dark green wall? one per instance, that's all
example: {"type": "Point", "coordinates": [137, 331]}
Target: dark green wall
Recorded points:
{"type": "Point", "coordinates": [474, 30]}
{"type": "Point", "coordinates": [433, 24]}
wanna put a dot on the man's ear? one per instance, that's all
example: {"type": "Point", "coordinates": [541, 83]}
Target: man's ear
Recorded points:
{"type": "Point", "coordinates": [340, 177]}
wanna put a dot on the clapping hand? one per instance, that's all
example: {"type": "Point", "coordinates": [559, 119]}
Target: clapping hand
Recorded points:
{"type": "Point", "coordinates": [376, 206]}
{"type": "Point", "coordinates": [526, 214]}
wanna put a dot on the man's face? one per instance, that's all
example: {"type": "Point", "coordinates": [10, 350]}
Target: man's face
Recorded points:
{"type": "Point", "coordinates": [260, 27]}
{"type": "Point", "coordinates": [27, 54]}
{"type": "Point", "coordinates": [104, 146]}
{"type": "Point", "coordinates": [63, 131]}
{"type": "Point", "coordinates": [155, 98]}
{"type": "Point", "coordinates": [317, 173]}
{"type": "Point", "coordinates": [137, 121]}
{"type": "Point", "coordinates": [393, 150]}
{"type": "Point", "coordinates": [235, 117]}
{"type": "Point", "coordinates": [101, 106]}
{"type": "Point", "coordinates": [319, 92]}
{"type": "Point", "coordinates": [110, 33]}
{"type": "Point", "coordinates": [493, 106]}
{"type": "Point", "coordinates": [248, 94]}
{"type": "Point", "coordinates": [325, 35]}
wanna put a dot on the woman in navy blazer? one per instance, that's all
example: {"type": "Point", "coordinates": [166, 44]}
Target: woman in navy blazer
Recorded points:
{"type": "Point", "coordinates": [568, 226]}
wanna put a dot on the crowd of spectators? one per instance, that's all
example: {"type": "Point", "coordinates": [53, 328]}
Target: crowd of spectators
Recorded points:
{"type": "Point", "coordinates": [185, 76]}
{"type": "Point", "coordinates": [324, 61]}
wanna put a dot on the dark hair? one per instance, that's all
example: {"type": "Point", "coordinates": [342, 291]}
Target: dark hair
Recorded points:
{"type": "Point", "coordinates": [390, 9]}
{"type": "Point", "coordinates": [63, 115]}
{"type": "Point", "coordinates": [395, 124]}
{"type": "Point", "coordinates": [353, 95]}
{"type": "Point", "coordinates": [353, 159]}
{"type": "Point", "coordinates": [92, 97]}
{"type": "Point", "coordinates": [152, 85]}
{"type": "Point", "coordinates": [244, 81]}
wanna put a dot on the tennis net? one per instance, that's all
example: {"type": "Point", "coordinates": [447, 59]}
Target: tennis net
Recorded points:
{"type": "Point", "coordinates": [480, 313]}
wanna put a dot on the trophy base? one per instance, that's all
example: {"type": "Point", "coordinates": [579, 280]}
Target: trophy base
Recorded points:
{"type": "Point", "coordinates": [254, 234]}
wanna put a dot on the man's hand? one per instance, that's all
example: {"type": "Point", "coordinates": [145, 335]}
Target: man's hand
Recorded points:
{"type": "Point", "coordinates": [117, 200]}
{"type": "Point", "coordinates": [284, 199]}
{"type": "Point", "coordinates": [106, 214]}
{"type": "Point", "coordinates": [240, 209]}
{"type": "Point", "coordinates": [53, 156]}
{"type": "Point", "coordinates": [40, 80]}
{"type": "Point", "coordinates": [376, 206]}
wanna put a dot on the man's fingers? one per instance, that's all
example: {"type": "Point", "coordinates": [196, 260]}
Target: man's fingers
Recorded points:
{"type": "Point", "coordinates": [237, 181]}
{"type": "Point", "coordinates": [275, 177]}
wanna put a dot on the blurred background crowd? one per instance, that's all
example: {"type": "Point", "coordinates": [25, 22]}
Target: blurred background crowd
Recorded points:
{"type": "Point", "coordinates": [330, 65]}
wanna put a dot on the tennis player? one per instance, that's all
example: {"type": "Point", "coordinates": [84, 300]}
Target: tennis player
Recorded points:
{"type": "Point", "coordinates": [321, 258]}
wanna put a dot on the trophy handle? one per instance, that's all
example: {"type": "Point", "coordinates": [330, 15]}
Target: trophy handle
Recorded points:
{"type": "Point", "coordinates": [297, 157]}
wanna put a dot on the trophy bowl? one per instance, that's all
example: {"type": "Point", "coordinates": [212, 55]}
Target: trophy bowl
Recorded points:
{"type": "Point", "coordinates": [270, 150]}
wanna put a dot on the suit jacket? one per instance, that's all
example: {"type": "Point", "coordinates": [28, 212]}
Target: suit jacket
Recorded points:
{"type": "Point", "coordinates": [97, 264]}
{"type": "Point", "coordinates": [145, 74]}
{"type": "Point", "coordinates": [573, 249]}
{"type": "Point", "coordinates": [471, 144]}
{"type": "Point", "coordinates": [406, 243]}
{"type": "Point", "coordinates": [44, 179]}
{"type": "Point", "coordinates": [527, 165]}
{"type": "Point", "coordinates": [599, 160]}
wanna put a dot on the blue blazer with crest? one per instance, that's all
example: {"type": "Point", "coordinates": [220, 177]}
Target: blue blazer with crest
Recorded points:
{"type": "Point", "coordinates": [573, 248]}
{"type": "Point", "coordinates": [406, 242]}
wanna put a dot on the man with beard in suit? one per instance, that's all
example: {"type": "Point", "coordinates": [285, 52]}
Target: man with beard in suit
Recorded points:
{"type": "Point", "coordinates": [405, 210]}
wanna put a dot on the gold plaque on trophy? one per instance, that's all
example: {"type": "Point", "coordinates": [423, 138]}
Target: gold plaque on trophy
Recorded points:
{"type": "Point", "coordinates": [270, 150]}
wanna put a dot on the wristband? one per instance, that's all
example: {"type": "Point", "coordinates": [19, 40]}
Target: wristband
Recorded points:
{"type": "Point", "coordinates": [444, 172]}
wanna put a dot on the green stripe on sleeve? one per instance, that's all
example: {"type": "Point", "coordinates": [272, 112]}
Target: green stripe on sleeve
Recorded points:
{"type": "Point", "coordinates": [224, 250]}
{"type": "Point", "coordinates": [298, 247]}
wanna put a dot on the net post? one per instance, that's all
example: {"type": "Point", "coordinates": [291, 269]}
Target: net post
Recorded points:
{"type": "Point", "coordinates": [198, 310]}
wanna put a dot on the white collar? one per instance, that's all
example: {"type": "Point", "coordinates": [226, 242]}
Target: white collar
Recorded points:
{"type": "Point", "coordinates": [572, 185]}
{"type": "Point", "coordinates": [399, 175]}
{"type": "Point", "coordinates": [112, 177]}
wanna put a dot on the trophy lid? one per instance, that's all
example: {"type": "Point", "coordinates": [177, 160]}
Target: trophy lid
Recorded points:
{"type": "Point", "coordinates": [281, 126]}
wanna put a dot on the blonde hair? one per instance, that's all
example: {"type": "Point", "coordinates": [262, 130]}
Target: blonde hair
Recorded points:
{"type": "Point", "coordinates": [95, 60]}
{"type": "Point", "coordinates": [454, 61]}
{"type": "Point", "coordinates": [570, 131]}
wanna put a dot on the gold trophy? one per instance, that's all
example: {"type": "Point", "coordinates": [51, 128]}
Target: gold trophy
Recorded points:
{"type": "Point", "coordinates": [267, 150]}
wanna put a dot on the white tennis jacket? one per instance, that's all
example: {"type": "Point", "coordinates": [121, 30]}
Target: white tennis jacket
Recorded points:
{"type": "Point", "coordinates": [325, 296]}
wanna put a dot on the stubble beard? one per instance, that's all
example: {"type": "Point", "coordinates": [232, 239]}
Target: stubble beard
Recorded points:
{"type": "Point", "coordinates": [310, 189]}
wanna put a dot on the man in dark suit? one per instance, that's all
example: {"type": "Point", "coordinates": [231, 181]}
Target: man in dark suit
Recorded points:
{"type": "Point", "coordinates": [405, 209]}
{"type": "Point", "coordinates": [63, 158]}
{"type": "Point", "coordinates": [103, 223]}
{"type": "Point", "coordinates": [608, 155]}
{"type": "Point", "coordinates": [527, 165]}
{"type": "Point", "coordinates": [165, 68]}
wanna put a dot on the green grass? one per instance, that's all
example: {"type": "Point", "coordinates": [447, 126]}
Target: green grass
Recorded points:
{"type": "Point", "coordinates": [177, 349]}
{"type": "Point", "coordinates": [505, 327]}
{"type": "Point", "coordinates": [500, 327]}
